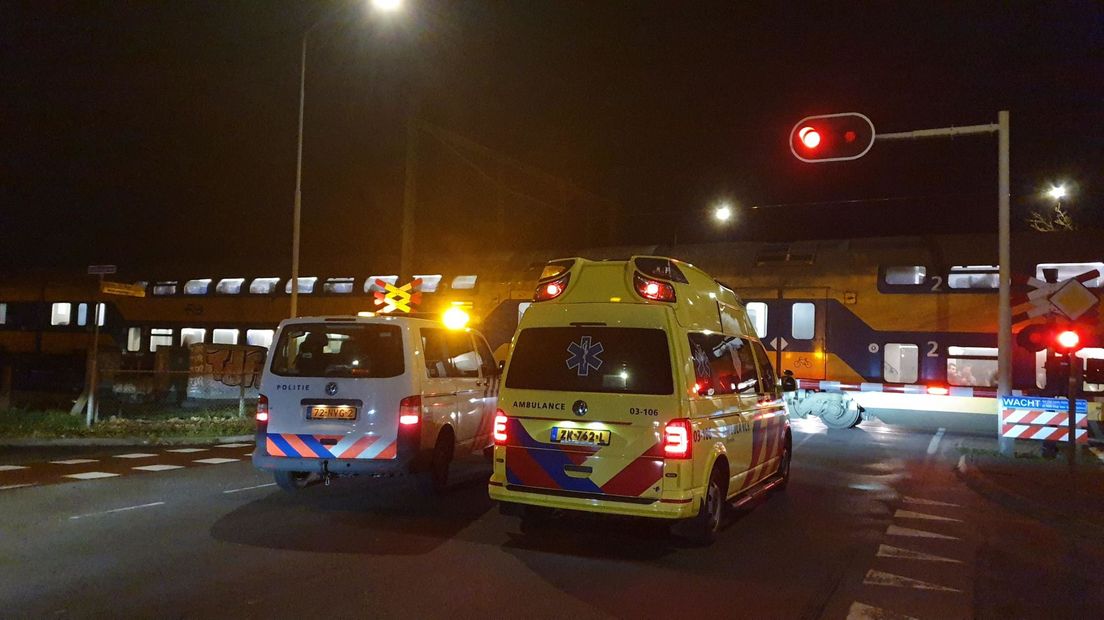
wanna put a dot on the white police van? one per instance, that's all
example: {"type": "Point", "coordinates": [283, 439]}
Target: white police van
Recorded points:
{"type": "Point", "coordinates": [346, 395]}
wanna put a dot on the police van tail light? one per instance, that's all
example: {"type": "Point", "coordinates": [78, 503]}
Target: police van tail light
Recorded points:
{"type": "Point", "coordinates": [656, 290]}
{"type": "Point", "coordinates": [262, 409]}
{"type": "Point", "coordinates": [410, 410]}
{"type": "Point", "coordinates": [499, 431]}
{"type": "Point", "coordinates": [551, 289]}
{"type": "Point", "coordinates": [938, 390]}
{"type": "Point", "coordinates": [676, 439]}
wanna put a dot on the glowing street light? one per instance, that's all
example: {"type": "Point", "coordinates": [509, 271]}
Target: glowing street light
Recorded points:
{"type": "Point", "coordinates": [723, 212]}
{"type": "Point", "coordinates": [387, 6]}
{"type": "Point", "coordinates": [1057, 192]}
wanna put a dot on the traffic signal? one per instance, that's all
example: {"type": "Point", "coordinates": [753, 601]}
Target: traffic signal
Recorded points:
{"type": "Point", "coordinates": [832, 137]}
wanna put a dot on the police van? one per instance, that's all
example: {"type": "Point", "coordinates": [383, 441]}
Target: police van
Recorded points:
{"type": "Point", "coordinates": [637, 388]}
{"type": "Point", "coordinates": [381, 394]}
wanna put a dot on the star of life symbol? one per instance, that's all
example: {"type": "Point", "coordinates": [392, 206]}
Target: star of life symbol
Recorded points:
{"type": "Point", "coordinates": [584, 356]}
{"type": "Point", "coordinates": [701, 362]}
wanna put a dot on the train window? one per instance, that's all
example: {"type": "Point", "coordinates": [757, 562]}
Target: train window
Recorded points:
{"type": "Point", "coordinates": [972, 366]}
{"type": "Point", "coordinates": [901, 363]}
{"type": "Point", "coordinates": [224, 336]}
{"type": "Point", "coordinates": [259, 337]}
{"type": "Point", "coordinates": [134, 339]}
{"type": "Point", "coordinates": [192, 335]}
{"type": "Point", "coordinates": [82, 314]}
{"type": "Point", "coordinates": [229, 286]}
{"type": "Point", "coordinates": [160, 337]}
{"type": "Point", "coordinates": [370, 285]}
{"type": "Point", "coordinates": [306, 285]}
{"type": "Point", "coordinates": [197, 287]}
{"type": "Point", "coordinates": [429, 283]}
{"type": "Point", "coordinates": [757, 312]}
{"type": "Point", "coordinates": [1090, 354]}
{"type": "Point", "coordinates": [339, 286]}
{"type": "Point", "coordinates": [464, 282]}
{"type": "Point", "coordinates": [59, 313]}
{"type": "Point", "coordinates": [974, 277]}
{"type": "Point", "coordinates": [803, 317]}
{"type": "Point", "coordinates": [910, 275]}
{"type": "Point", "coordinates": [3, 314]}
{"type": "Point", "coordinates": [263, 286]}
{"type": "Point", "coordinates": [1071, 270]}
{"type": "Point", "coordinates": [164, 288]}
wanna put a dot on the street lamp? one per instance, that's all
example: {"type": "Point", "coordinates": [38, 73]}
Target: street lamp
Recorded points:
{"type": "Point", "coordinates": [382, 6]}
{"type": "Point", "coordinates": [1057, 192]}
{"type": "Point", "coordinates": [723, 212]}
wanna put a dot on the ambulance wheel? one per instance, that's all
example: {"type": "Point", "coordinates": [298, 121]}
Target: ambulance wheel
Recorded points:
{"type": "Point", "coordinates": [292, 481]}
{"type": "Point", "coordinates": [784, 465]}
{"type": "Point", "coordinates": [702, 529]}
{"type": "Point", "coordinates": [434, 480]}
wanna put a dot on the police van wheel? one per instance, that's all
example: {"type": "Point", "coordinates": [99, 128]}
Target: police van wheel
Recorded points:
{"type": "Point", "coordinates": [702, 529]}
{"type": "Point", "coordinates": [292, 481]}
{"type": "Point", "coordinates": [434, 480]}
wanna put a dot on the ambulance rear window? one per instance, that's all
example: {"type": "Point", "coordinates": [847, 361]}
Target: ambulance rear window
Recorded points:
{"type": "Point", "coordinates": [620, 360]}
{"type": "Point", "coordinates": [350, 350]}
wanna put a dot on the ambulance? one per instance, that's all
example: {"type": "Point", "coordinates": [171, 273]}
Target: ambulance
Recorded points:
{"type": "Point", "coordinates": [376, 395]}
{"type": "Point", "coordinates": [637, 388]}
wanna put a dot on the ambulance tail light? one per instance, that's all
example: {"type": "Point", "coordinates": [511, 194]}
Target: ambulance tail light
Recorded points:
{"type": "Point", "coordinates": [262, 410]}
{"type": "Point", "coordinates": [656, 290]}
{"type": "Point", "coordinates": [676, 439]}
{"type": "Point", "coordinates": [410, 410]}
{"type": "Point", "coordinates": [499, 431]}
{"type": "Point", "coordinates": [551, 289]}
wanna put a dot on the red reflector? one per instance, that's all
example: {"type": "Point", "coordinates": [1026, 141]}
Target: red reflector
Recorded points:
{"type": "Point", "coordinates": [938, 391]}
{"type": "Point", "coordinates": [262, 408]}
{"type": "Point", "coordinates": [410, 410]}
{"type": "Point", "coordinates": [499, 432]}
{"type": "Point", "coordinates": [676, 439]}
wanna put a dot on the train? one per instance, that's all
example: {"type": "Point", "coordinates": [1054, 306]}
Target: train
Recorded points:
{"type": "Point", "coordinates": [855, 321]}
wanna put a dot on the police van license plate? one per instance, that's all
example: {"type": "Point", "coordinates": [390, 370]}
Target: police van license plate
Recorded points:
{"type": "Point", "coordinates": [584, 436]}
{"type": "Point", "coordinates": [332, 412]}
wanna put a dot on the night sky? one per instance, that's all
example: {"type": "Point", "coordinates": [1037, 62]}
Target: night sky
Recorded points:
{"type": "Point", "coordinates": [161, 135]}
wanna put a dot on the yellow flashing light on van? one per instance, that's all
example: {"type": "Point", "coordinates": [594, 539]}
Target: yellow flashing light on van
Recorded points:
{"type": "Point", "coordinates": [662, 404]}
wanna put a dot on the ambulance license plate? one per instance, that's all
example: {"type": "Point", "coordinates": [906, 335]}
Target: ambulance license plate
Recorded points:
{"type": "Point", "coordinates": [584, 436]}
{"type": "Point", "coordinates": [332, 412]}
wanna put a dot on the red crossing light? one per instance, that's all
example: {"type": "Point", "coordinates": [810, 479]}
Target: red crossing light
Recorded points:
{"type": "Point", "coordinates": [832, 137]}
{"type": "Point", "coordinates": [1068, 339]}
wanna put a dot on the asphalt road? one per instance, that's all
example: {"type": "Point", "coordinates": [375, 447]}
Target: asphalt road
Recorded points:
{"type": "Point", "coordinates": [875, 523]}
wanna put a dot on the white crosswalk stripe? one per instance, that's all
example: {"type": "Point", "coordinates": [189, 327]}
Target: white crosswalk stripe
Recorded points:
{"type": "Point", "coordinates": [928, 502]}
{"type": "Point", "coordinates": [881, 578]}
{"type": "Point", "coordinates": [91, 475]}
{"type": "Point", "coordinates": [889, 551]}
{"type": "Point", "coordinates": [74, 461]}
{"type": "Point", "coordinates": [159, 467]}
{"type": "Point", "coordinates": [233, 445]}
{"type": "Point", "coordinates": [895, 530]}
{"type": "Point", "coordinates": [135, 455]}
{"type": "Point", "coordinates": [187, 450]}
{"type": "Point", "coordinates": [908, 514]}
{"type": "Point", "coordinates": [215, 461]}
{"type": "Point", "coordinates": [12, 467]}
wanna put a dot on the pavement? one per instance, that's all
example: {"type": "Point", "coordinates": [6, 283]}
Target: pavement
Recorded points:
{"type": "Point", "coordinates": [877, 522]}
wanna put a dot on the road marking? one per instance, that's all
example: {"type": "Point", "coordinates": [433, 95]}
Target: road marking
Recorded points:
{"type": "Point", "coordinates": [928, 502]}
{"type": "Point", "coordinates": [888, 551]}
{"type": "Point", "coordinates": [233, 445]}
{"type": "Point", "coordinates": [74, 461]}
{"type": "Point", "coordinates": [158, 467]}
{"type": "Point", "coordinates": [217, 461]}
{"type": "Point", "coordinates": [908, 514]}
{"type": "Point", "coordinates": [1099, 453]}
{"type": "Point", "coordinates": [879, 578]}
{"type": "Point", "coordinates": [134, 455]}
{"type": "Point", "coordinates": [908, 531]}
{"type": "Point", "coordinates": [107, 512]}
{"type": "Point", "coordinates": [961, 464]}
{"type": "Point", "coordinates": [12, 467]}
{"type": "Point", "coordinates": [187, 450]}
{"type": "Point", "coordinates": [17, 486]}
{"type": "Point", "coordinates": [91, 475]}
{"type": "Point", "coordinates": [934, 444]}
{"type": "Point", "coordinates": [259, 486]}
{"type": "Point", "coordinates": [860, 611]}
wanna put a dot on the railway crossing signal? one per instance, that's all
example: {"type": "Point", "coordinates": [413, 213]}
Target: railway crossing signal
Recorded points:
{"type": "Point", "coordinates": [832, 137]}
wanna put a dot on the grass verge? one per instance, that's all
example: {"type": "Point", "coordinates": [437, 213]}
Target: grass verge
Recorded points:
{"type": "Point", "coordinates": [23, 423]}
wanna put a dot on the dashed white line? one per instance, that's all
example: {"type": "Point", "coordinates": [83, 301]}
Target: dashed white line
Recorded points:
{"type": "Point", "coordinates": [934, 444]}
{"type": "Point", "coordinates": [889, 551]}
{"type": "Point", "coordinates": [187, 450]}
{"type": "Point", "coordinates": [74, 461]}
{"type": "Point", "coordinates": [134, 455]}
{"type": "Point", "coordinates": [17, 486]}
{"type": "Point", "coordinates": [158, 467]}
{"type": "Point", "coordinates": [91, 475]}
{"type": "Point", "coordinates": [908, 514]}
{"type": "Point", "coordinates": [895, 530]}
{"type": "Point", "coordinates": [12, 467]}
{"type": "Point", "coordinates": [259, 486]}
{"type": "Point", "coordinates": [215, 461]}
{"type": "Point", "coordinates": [879, 578]}
{"type": "Point", "coordinates": [114, 510]}
{"type": "Point", "coordinates": [862, 611]}
{"type": "Point", "coordinates": [928, 502]}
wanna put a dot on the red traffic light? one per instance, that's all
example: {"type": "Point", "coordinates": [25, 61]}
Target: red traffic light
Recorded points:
{"type": "Point", "coordinates": [832, 137]}
{"type": "Point", "coordinates": [1068, 339]}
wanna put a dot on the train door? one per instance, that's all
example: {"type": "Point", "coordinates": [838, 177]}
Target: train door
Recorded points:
{"type": "Point", "coordinates": [791, 325]}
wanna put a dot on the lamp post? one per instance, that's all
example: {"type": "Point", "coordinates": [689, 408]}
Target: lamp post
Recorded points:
{"type": "Point", "coordinates": [382, 6]}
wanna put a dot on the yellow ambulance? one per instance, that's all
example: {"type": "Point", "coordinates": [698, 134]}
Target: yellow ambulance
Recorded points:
{"type": "Point", "coordinates": [637, 388]}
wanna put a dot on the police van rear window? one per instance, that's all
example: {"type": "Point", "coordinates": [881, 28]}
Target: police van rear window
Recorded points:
{"type": "Point", "coordinates": [350, 350]}
{"type": "Point", "coordinates": [623, 360]}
